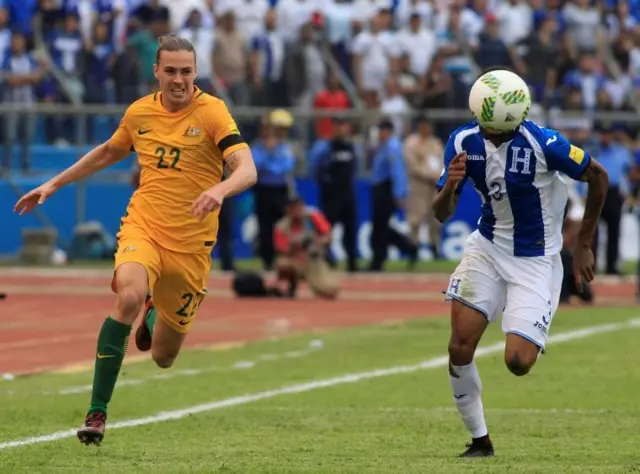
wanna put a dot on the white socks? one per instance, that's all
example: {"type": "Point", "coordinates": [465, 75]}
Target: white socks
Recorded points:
{"type": "Point", "coordinates": [467, 392]}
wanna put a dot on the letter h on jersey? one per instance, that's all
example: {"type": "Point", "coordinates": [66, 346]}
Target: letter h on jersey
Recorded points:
{"type": "Point", "coordinates": [517, 160]}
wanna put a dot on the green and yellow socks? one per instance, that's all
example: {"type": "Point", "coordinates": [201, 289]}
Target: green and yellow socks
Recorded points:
{"type": "Point", "coordinates": [112, 346]}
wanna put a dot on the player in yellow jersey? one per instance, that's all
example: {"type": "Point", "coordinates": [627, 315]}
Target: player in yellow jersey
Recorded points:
{"type": "Point", "coordinates": [183, 137]}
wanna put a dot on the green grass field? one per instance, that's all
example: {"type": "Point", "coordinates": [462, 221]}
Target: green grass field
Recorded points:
{"type": "Point", "coordinates": [577, 412]}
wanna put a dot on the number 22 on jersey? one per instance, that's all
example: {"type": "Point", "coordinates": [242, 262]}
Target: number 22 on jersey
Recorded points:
{"type": "Point", "coordinates": [168, 159]}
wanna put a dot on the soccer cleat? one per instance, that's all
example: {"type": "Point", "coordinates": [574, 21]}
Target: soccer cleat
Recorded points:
{"type": "Point", "coordinates": [92, 430]}
{"type": "Point", "coordinates": [143, 335]}
{"type": "Point", "coordinates": [479, 447]}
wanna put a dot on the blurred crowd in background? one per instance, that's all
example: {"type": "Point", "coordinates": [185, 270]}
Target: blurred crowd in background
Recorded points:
{"type": "Point", "coordinates": [400, 54]}
{"type": "Point", "coordinates": [392, 56]}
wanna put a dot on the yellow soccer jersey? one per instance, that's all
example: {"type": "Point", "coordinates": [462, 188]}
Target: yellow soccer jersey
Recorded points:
{"type": "Point", "coordinates": [181, 154]}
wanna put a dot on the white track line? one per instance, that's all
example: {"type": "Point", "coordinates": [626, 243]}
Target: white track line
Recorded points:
{"type": "Point", "coordinates": [434, 363]}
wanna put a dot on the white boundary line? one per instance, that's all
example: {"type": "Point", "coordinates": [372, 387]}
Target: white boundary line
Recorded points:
{"type": "Point", "coordinates": [246, 364]}
{"type": "Point", "coordinates": [434, 363]}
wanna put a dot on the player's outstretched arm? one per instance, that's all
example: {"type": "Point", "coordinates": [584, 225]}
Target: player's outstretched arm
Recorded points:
{"type": "Point", "coordinates": [598, 182]}
{"type": "Point", "coordinates": [243, 172]}
{"type": "Point", "coordinates": [243, 176]}
{"type": "Point", "coordinates": [97, 159]}
{"type": "Point", "coordinates": [446, 200]}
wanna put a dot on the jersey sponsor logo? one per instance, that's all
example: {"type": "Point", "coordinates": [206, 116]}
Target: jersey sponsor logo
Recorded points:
{"type": "Point", "coordinates": [192, 131]}
{"type": "Point", "coordinates": [552, 139]}
{"type": "Point", "coordinates": [541, 327]}
{"type": "Point", "coordinates": [143, 131]}
{"type": "Point", "coordinates": [576, 154]}
{"type": "Point", "coordinates": [475, 158]}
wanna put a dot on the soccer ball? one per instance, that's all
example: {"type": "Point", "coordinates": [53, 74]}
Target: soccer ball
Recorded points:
{"type": "Point", "coordinates": [500, 100]}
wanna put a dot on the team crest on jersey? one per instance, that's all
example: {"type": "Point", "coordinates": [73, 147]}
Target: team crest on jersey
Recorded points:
{"type": "Point", "coordinates": [576, 154]}
{"type": "Point", "coordinates": [192, 131]}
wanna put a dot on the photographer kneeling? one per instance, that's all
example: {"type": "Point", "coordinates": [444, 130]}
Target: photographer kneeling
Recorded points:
{"type": "Point", "coordinates": [301, 239]}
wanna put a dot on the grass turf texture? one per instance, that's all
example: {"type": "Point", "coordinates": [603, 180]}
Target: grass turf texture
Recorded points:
{"type": "Point", "coordinates": [400, 423]}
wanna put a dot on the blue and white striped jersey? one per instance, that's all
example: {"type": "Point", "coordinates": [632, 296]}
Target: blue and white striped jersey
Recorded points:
{"type": "Point", "coordinates": [521, 184]}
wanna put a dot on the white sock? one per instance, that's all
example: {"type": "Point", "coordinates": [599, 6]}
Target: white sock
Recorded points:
{"type": "Point", "coordinates": [468, 387]}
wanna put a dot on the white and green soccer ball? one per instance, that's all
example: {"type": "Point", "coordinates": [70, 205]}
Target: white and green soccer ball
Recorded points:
{"type": "Point", "coordinates": [500, 100]}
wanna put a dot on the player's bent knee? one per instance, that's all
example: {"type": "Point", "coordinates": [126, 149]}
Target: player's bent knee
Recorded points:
{"type": "Point", "coordinates": [129, 304]}
{"type": "Point", "coordinates": [461, 351]}
{"type": "Point", "coordinates": [164, 361]}
{"type": "Point", "coordinates": [520, 355]}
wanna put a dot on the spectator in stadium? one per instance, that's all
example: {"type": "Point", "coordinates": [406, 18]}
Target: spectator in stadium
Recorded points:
{"type": "Point", "coordinates": [437, 93]}
{"type": "Point", "coordinates": [301, 239]}
{"type": "Point", "coordinates": [395, 106]}
{"type": "Point", "coordinates": [202, 38]}
{"type": "Point", "coordinates": [333, 97]}
{"type": "Point", "coordinates": [65, 47]}
{"type": "Point", "coordinates": [540, 53]}
{"type": "Point", "coordinates": [374, 54]}
{"type": "Point", "coordinates": [455, 39]}
{"type": "Point", "coordinates": [294, 15]}
{"type": "Point", "coordinates": [585, 32]}
{"type": "Point", "coordinates": [493, 51]}
{"type": "Point", "coordinates": [231, 58]}
{"type": "Point", "coordinates": [616, 159]}
{"type": "Point", "coordinates": [515, 19]}
{"type": "Point", "coordinates": [408, 81]}
{"type": "Point", "coordinates": [588, 79]}
{"type": "Point", "coordinates": [423, 153]}
{"type": "Point", "coordinates": [249, 16]}
{"type": "Point", "coordinates": [334, 164]}
{"type": "Point", "coordinates": [305, 69]}
{"type": "Point", "coordinates": [267, 65]}
{"type": "Point", "coordinates": [389, 193]}
{"type": "Point", "coordinates": [418, 42]}
{"type": "Point", "coordinates": [275, 162]}
{"type": "Point", "coordinates": [144, 42]}
{"type": "Point", "coordinates": [21, 73]}
{"type": "Point", "coordinates": [96, 62]}
{"type": "Point", "coordinates": [5, 34]}
{"type": "Point", "coordinates": [151, 10]}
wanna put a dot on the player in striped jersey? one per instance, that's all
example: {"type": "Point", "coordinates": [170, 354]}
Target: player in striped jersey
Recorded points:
{"type": "Point", "coordinates": [511, 263]}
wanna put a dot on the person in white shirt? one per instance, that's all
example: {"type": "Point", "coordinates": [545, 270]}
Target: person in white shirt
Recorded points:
{"type": "Point", "coordinates": [374, 50]}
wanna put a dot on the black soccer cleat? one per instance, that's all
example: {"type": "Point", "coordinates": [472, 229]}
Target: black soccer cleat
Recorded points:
{"type": "Point", "coordinates": [479, 447]}
{"type": "Point", "coordinates": [92, 430]}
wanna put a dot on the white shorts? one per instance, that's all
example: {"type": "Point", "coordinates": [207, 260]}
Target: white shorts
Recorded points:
{"type": "Point", "coordinates": [525, 289]}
